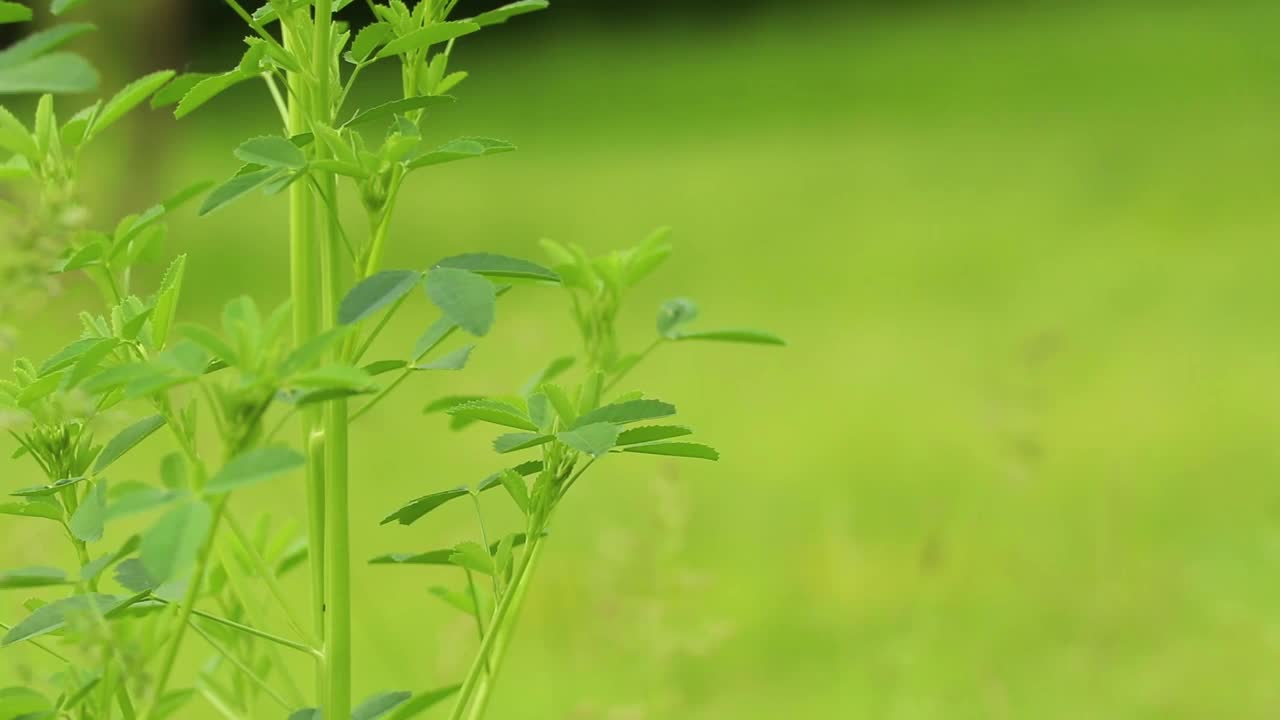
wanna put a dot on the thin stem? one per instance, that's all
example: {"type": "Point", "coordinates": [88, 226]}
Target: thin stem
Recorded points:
{"type": "Point", "coordinates": [644, 354]}
{"type": "Point", "coordinates": [494, 644]}
{"type": "Point", "coordinates": [277, 98]}
{"type": "Point", "coordinates": [268, 576]}
{"type": "Point", "coordinates": [282, 642]}
{"type": "Point", "coordinates": [382, 394]}
{"type": "Point", "coordinates": [377, 330]}
{"type": "Point", "coordinates": [184, 612]}
{"type": "Point", "coordinates": [484, 539]}
{"type": "Point", "coordinates": [243, 668]}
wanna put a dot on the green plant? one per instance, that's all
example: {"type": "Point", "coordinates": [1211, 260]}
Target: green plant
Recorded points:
{"type": "Point", "coordinates": [197, 568]}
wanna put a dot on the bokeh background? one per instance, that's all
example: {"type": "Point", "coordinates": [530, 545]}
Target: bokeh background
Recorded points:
{"type": "Point", "coordinates": [1020, 458]}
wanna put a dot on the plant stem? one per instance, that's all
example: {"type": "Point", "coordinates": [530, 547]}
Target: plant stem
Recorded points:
{"type": "Point", "coordinates": [184, 612]}
{"type": "Point", "coordinates": [268, 576]}
{"type": "Point", "coordinates": [243, 668]}
{"type": "Point", "coordinates": [337, 690]}
{"type": "Point", "coordinates": [304, 280]}
{"type": "Point", "coordinates": [484, 668]}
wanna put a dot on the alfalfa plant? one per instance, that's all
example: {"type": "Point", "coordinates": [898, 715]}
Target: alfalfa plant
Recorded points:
{"type": "Point", "coordinates": [197, 568]}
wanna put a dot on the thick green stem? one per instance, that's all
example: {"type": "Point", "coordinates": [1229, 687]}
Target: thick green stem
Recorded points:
{"type": "Point", "coordinates": [305, 286]}
{"type": "Point", "coordinates": [337, 686]}
{"type": "Point", "coordinates": [474, 695]}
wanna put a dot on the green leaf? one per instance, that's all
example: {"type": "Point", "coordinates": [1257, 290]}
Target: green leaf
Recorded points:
{"type": "Point", "coordinates": [515, 487]}
{"type": "Point", "coordinates": [426, 37]}
{"type": "Point", "coordinates": [178, 88]}
{"type": "Point", "coordinates": [33, 509]}
{"type": "Point", "coordinates": [133, 95]}
{"type": "Point", "coordinates": [379, 705]}
{"type": "Point", "coordinates": [554, 369]}
{"type": "Point", "coordinates": [495, 412]}
{"type": "Point", "coordinates": [210, 342]}
{"type": "Point", "coordinates": [32, 577]}
{"type": "Point", "coordinates": [502, 14]}
{"type": "Point", "coordinates": [207, 89]}
{"type": "Point", "coordinates": [499, 266]}
{"type": "Point", "coordinates": [460, 149]}
{"type": "Point", "coordinates": [627, 412]}
{"type": "Point", "coordinates": [58, 7]}
{"type": "Point", "coordinates": [524, 469]}
{"type": "Point", "coordinates": [126, 440]}
{"type": "Point", "coordinates": [512, 442]}
{"type": "Point", "coordinates": [455, 360]}
{"type": "Point", "coordinates": [413, 510]}
{"type": "Point", "coordinates": [271, 151]}
{"type": "Point", "coordinates": [376, 292]}
{"type": "Point", "coordinates": [382, 367]}
{"type": "Point", "coordinates": [93, 569]}
{"type": "Point", "coordinates": [423, 701]}
{"type": "Point", "coordinates": [650, 433]}
{"type": "Point", "coordinates": [244, 182]}
{"type": "Point", "coordinates": [52, 617]}
{"type": "Point", "coordinates": [19, 703]}
{"type": "Point", "coordinates": [565, 408]}
{"type": "Point", "coordinates": [464, 297]}
{"type": "Point", "coordinates": [171, 546]}
{"type": "Point", "coordinates": [676, 449]}
{"type": "Point", "coordinates": [12, 12]}
{"type": "Point", "coordinates": [369, 38]}
{"type": "Point", "coordinates": [472, 556]}
{"type": "Point", "coordinates": [42, 42]}
{"type": "Point", "coordinates": [166, 305]}
{"type": "Point", "coordinates": [595, 439]}
{"type": "Point", "coordinates": [86, 524]}
{"type": "Point", "coordinates": [254, 466]}
{"type": "Point", "coordinates": [15, 137]}
{"type": "Point", "coordinates": [675, 313]}
{"type": "Point", "coordinates": [751, 337]}
{"type": "Point", "coordinates": [396, 107]}
{"type": "Point", "coordinates": [57, 72]}
{"type": "Point", "coordinates": [435, 557]}
{"type": "Point", "coordinates": [67, 356]}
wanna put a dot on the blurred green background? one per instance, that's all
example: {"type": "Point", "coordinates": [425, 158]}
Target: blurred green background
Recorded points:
{"type": "Point", "coordinates": [1020, 458]}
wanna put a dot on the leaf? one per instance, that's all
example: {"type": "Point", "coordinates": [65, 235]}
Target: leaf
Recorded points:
{"type": "Point", "coordinates": [20, 703]}
{"type": "Point", "coordinates": [675, 313]}
{"type": "Point", "coordinates": [126, 440]}
{"type": "Point", "coordinates": [751, 337]}
{"type": "Point", "coordinates": [166, 304]}
{"type": "Point", "coordinates": [460, 149]}
{"type": "Point", "coordinates": [93, 569]}
{"type": "Point", "coordinates": [515, 487]}
{"type": "Point", "coordinates": [170, 547]}
{"type": "Point", "coordinates": [47, 490]}
{"type": "Point", "coordinates": [564, 407]}
{"type": "Point", "coordinates": [554, 369]}
{"type": "Point", "coordinates": [57, 72]}
{"type": "Point", "coordinates": [241, 184]}
{"type": "Point", "coordinates": [379, 705]}
{"type": "Point", "coordinates": [495, 412]}
{"type": "Point", "coordinates": [311, 351]}
{"type": "Point", "coordinates": [449, 402]}
{"type": "Point", "coordinates": [396, 107]}
{"type": "Point", "coordinates": [500, 266]}
{"type": "Point", "coordinates": [423, 701]}
{"type": "Point", "coordinates": [426, 37]}
{"type": "Point", "coordinates": [458, 600]}
{"type": "Point", "coordinates": [254, 466]}
{"type": "Point", "coordinates": [210, 342]}
{"type": "Point", "coordinates": [595, 439]}
{"type": "Point", "coordinates": [650, 433]}
{"type": "Point", "coordinates": [58, 7]}
{"type": "Point", "coordinates": [49, 511]}
{"type": "Point", "coordinates": [207, 89]}
{"type": "Point", "coordinates": [12, 12]}
{"type": "Point", "coordinates": [334, 377]}
{"type": "Point", "coordinates": [130, 97]}
{"type": "Point", "coordinates": [627, 412]}
{"type": "Point", "coordinates": [133, 576]}
{"type": "Point", "coordinates": [376, 292]}
{"type": "Point", "coordinates": [504, 13]}
{"type": "Point", "coordinates": [42, 42]}
{"type": "Point", "coordinates": [15, 137]}
{"type": "Point", "coordinates": [524, 469]}
{"type": "Point", "coordinates": [414, 510]}
{"type": "Point", "coordinates": [367, 40]}
{"type": "Point", "coordinates": [471, 556]}
{"type": "Point", "coordinates": [382, 367]}
{"type": "Point", "coordinates": [67, 356]}
{"type": "Point", "coordinates": [464, 297]}
{"type": "Point", "coordinates": [435, 557]}
{"type": "Point", "coordinates": [271, 151]}
{"type": "Point", "coordinates": [86, 523]}
{"type": "Point", "coordinates": [676, 449]}
{"type": "Point", "coordinates": [52, 617]}
{"type": "Point", "coordinates": [455, 360]}
{"type": "Point", "coordinates": [32, 577]}
{"type": "Point", "coordinates": [512, 442]}
{"type": "Point", "coordinates": [177, 88]}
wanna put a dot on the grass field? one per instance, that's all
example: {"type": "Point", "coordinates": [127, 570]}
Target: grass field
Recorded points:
{"type": "Point", "coordinates": [1020, 459]}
